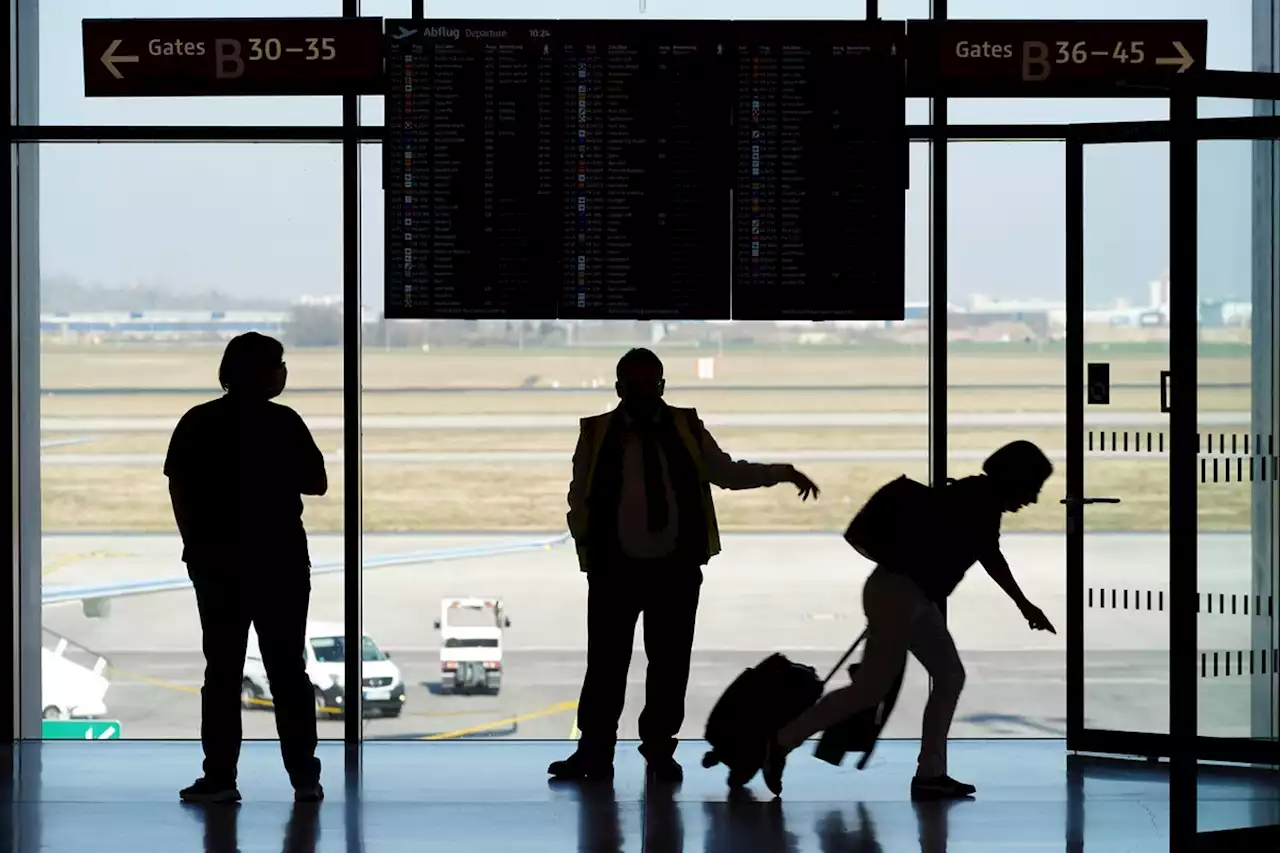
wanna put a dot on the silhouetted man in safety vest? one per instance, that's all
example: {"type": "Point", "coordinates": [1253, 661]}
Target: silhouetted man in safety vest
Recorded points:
{"type": "Point", "coordinates": [641, 515]}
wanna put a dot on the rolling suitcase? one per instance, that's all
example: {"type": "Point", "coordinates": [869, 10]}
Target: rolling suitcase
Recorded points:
{"type": "Point", "coordinates": [766, 697]}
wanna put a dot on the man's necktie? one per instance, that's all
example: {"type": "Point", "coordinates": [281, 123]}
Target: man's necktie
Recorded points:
{"type": "Point", "coordinates": [655, 492]}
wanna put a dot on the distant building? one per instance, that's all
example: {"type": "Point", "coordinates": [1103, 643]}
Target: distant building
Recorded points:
{"type": "Point", "coordinates": [102, 326]}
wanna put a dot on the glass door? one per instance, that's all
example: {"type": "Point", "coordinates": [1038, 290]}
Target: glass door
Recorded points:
{"type": "Point", "coordinates": [1234, 339]}
{"type": "Point", "coordinates": [1118, 400]}
{"type": "Point", "coordinates": [1172, 480]}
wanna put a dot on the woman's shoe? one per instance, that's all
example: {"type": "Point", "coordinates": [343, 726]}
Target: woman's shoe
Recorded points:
{"type": "Point", "coordinates": [940, 788]}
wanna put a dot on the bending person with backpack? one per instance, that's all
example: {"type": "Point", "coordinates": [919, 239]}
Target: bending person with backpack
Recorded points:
{"type": "Point", "coordinates": [900, 599]}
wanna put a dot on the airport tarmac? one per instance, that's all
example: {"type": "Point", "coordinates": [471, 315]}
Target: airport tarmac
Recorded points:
{"type": "Point", "coordinates": [515, 457]}
{"type": "Point", "coordinates": [782, 420]}
{"type": "Point", "coordinates": [797, 593]}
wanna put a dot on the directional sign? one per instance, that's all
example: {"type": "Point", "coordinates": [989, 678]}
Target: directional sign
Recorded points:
{"type": "Point", "coordinates": [1054, 58]}
{"type": "Point", "coordinates": [232, 56]}
{"type": "Point", "coordinates": [80, 729]}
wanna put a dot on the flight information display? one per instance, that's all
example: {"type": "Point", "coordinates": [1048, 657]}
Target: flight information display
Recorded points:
{"type": "Point", "coordinates": [644, 170]}
{"type": "Point", "coordinates": [646, 208]}
{"type": "Point", "coordinates": [571, 169]}
{"type": "Point", "coordinates": [819, 195]}
{"type": "Point", "coordinates": [471, 171]}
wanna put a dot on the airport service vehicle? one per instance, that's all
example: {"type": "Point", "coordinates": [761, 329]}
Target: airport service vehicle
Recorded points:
{"type": "Point", "coordinates": [471, 644]}
{"type": "Point", "coordinates": [382, 682]}
{"type": "Point", "coordinates": [69, 690]}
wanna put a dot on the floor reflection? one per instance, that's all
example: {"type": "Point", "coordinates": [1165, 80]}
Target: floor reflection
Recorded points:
{"type": "Point", "coordinates": [744, 823]}
{"type": "Point", "coordinates": [222, 831]}
{"type": "Point", "coordinates": [64, 797]}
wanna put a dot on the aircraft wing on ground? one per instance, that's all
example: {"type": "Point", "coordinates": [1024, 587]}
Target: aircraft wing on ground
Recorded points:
{"type": "Point", "coordinates": [96, 598]}
{"type": "Point", "coordinates": [65, 442]}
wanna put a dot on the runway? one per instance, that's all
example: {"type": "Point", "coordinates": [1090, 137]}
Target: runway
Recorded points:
{"type": "Point", "coordinates": [518, 457]}
{"type": "Point", "coordinates": [796, 593]}
{"type": "Point", "coordinates": [744, 420]}
{"type": "Point", "coordinates": [124, 391]}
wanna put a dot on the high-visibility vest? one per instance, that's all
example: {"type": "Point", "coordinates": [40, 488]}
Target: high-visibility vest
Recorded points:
{"type": "Point", "coordinates": [596, 428]}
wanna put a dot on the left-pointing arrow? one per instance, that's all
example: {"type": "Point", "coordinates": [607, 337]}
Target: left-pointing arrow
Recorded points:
{"type": "Point", "coordinates": [110, 59]}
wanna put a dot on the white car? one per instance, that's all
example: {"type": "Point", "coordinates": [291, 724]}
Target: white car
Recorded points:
{"type": "Point", "coordinates": [69, 690]}
{"type": "Point", "coordinates": [383, 684]}
{"type": "Point", "coordinates": [471, 644]}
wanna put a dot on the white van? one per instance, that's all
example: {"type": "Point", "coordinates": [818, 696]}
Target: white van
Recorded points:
{"type": "Point", "coordinates": [69, 690]}
{"type": "Point", "coordinates": [471, 644]}
{"type": "Point", "coordinates": [384, 693]}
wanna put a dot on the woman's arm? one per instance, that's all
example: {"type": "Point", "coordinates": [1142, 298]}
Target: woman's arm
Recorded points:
{"type": "Point", "coordinates": [998, 568]}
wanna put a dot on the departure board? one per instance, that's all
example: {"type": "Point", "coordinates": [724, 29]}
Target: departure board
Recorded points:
{"type": "Point", "coordinates": [647, 219]}
{"type": "Point", "coordinates": [471, 171]}
{"type": "Point", "coordinates": [572, 169]}
{"type": "Point", "coordinates": [819, 194]}
{"type": "Point", "coordinates": [644, 170]}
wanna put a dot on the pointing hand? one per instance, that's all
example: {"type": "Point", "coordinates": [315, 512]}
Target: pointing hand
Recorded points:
{"type": "Point", "coordinates": [804, 485]}
{"type": "Point", "coordinates": [1036, 619]}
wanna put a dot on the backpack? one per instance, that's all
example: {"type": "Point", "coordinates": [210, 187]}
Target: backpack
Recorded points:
{"type": "Point", "coordinates": [897, 523]}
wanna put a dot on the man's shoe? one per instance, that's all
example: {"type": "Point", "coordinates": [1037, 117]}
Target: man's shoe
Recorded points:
{"type": "Point", "coordinates": [308, 793]}
{"type": "Point", "coordinates": [665, 769]}
{"type": "Point", "coordinates": [775, 761]}
{"type": "Point", "coordinates": [205, 790]}
{"type": "Point", "coordinates": [581, 767]}
{"type": "Point", "coordinates": [940, 788]}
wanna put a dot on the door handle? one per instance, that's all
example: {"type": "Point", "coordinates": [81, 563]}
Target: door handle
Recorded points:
{"type": "Point", "coordinates": [1164, 392]}
{"type": "Point", "coordinates": [1089, 500]}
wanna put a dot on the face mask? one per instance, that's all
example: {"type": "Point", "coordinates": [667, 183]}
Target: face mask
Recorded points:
{"type": "Point", "coordinates": [641, 408]}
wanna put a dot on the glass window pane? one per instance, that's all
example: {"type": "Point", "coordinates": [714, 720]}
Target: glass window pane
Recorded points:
{"type": "Point", "coordinates": [469, 433]}
{"type": "Point", "coordinates": [1235, 381]}
{"type": "Point", "coordinates": [1005, 382]}
{"type": "Point", "coordinates": [151, 258]}
{"type": "Point", "coordinates": [62, 99]}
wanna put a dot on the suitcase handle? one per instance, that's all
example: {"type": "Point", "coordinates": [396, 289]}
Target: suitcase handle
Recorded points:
{"type": "Point", "coordinates": [845, 657]}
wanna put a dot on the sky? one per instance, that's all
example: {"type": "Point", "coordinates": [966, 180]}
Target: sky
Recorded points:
{"type": "Point", "coordinates": [264, 219]}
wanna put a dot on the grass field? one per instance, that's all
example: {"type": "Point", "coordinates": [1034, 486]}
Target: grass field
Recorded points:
{"type": "Point", "coordinates": [530, 496]}
{"type": "Point", "coordinates": [416, 497]}
{"type": "Point", "coordinates": [154, 367]}
{"type": "Point", "coordinates": [959, 399]}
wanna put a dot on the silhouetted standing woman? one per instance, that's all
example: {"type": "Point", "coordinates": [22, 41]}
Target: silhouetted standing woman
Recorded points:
{"type": "Point", "coordinates": [238, 467]}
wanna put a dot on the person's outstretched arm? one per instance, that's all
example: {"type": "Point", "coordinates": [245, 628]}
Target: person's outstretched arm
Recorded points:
{"type": "Point", "coordinates": [998, 567]}
{"type": "Point", "coordinates": [729, 473]}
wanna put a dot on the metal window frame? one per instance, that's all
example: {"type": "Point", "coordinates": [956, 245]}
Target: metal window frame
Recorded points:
{"type": "Point", "coordinates": [25, 135]}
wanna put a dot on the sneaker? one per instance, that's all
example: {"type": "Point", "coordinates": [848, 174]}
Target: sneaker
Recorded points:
{"type": "Point", "coordinates": [308, 793]}
{"type": "Point", "coordinates": [581, 766]}
{"type": "Point", "coordinates": [665, 769]}
{"type": "Point", "coordinates": [775, 761]}
{"type": "Point", "coordinates": [205, 790]}
{"type": "Point", "coordinates": [940, 788]}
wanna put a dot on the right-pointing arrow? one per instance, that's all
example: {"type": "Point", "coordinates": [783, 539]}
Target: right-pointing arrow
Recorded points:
{"type": "Point", "coordinates": [1184, 60]}
{"type": "Point", "coordinates": [110, 59]}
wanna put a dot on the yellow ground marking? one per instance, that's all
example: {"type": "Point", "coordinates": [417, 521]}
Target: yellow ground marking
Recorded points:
{"type": "Point", "coordinates": [267, 703]}
{"type": "Point", "coordinates": [574, 732]}
{"type": "Point", "coordinates": [155, 682]}
{"type": "Point", "coordinates": [67, 559]}
{"type": "Point", "coordinates": [186, 688]}
{"type": "Point", "coordinates": [558, 708]}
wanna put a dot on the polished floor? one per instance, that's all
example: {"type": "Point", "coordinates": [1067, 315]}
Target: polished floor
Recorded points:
{"type": "Point", "coordinates": [122, 795]}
